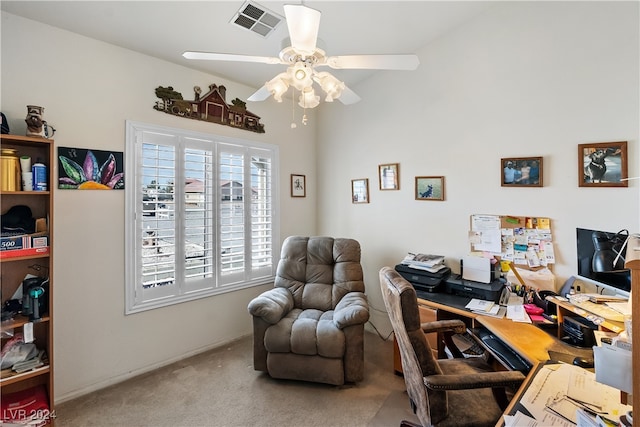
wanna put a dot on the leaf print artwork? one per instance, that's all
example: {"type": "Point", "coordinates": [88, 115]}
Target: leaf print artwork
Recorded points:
{"type": "Point", "coordinates": [98, 170]}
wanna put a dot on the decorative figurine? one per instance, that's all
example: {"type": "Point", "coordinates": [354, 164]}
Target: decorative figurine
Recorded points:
{"type": "Point", "coordinates": [34, 121]}
{"type": "Point", "coordinates": [35, 125]}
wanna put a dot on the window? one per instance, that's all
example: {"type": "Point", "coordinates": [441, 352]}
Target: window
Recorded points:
{"type": "Point", "coordinates": [201, 217]}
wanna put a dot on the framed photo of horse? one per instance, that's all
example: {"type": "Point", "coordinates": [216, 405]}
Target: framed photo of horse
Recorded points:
{"type": "Point", "coordinates": [603, 164]}
{"type": "Point", "coordinates": [521, 171]}
{"type": "Point", "coordinates": [429, 187]}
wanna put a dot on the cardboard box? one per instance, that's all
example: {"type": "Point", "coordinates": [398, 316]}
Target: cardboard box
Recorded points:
{"type": "Point", "coordinates": [39, 239]}
{"type": "Point", "coordinates": [25, 241]}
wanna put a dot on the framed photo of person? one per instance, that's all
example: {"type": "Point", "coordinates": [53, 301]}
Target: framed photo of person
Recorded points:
{"type": "Point", "coordinates": [360, 190]}
{"type": "Point", "coordinates": [298, 185]}
{"type": "Point", "coordinates": [389, 177]}
{"type": "Point", "coordinates": [603, 164]}
{"type": "Point", "coordinates": [429, 187]}
{"type": "Point", "coordinates": [521, 171]}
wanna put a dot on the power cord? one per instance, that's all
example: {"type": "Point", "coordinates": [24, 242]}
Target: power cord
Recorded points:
{"type": "Point", "coordinates": [374, 326]}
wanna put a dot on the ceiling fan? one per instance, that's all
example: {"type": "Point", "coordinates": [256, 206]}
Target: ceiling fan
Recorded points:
{"type": "Point", "coordinates": [303, 56]}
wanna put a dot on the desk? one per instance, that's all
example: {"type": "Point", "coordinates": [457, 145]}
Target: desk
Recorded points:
{"type": "Point", "coordinates": [528, 340]}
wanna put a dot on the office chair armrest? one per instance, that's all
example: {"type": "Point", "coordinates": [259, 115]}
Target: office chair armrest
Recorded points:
{"type": "Point", "coordinates": [479, 380]}
{"type": "Point", "coordinates": [271, 305]}
{"type": "Point", "coordinates": [353, 309]}
{"type": "Point", "coordinates": [455, 325]}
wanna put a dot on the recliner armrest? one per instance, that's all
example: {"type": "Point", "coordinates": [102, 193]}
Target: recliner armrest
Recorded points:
{"type": "Point", "coordinates": [271, 305]}
{"type": "Point", "coordinates": [353, 309]}
{"type": "Point", "coordinates": [478, 380]}
{"type": "Point", "coordinates": [454, 325]}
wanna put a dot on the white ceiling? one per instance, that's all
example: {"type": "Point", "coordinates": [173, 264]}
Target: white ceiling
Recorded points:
{"type": "Point", "coordinates": [164, 29]}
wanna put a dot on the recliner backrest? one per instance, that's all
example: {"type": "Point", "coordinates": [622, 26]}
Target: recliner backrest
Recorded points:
{"type": "Point", "coordinates": [319, 271]}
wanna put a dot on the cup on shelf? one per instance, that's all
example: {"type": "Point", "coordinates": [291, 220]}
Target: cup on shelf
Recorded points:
{"type": "Point", "coordinates": [27, 181]}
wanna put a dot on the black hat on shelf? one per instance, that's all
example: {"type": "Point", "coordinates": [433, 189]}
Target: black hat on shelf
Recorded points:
{"type": "Point", "coordinates": [4, 125]}
{"type": "Point", "coordinates": [18, 219]}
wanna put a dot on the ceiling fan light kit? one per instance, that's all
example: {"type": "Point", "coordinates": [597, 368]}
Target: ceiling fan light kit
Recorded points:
{"type": "Point", "coordinates": [303, 56]}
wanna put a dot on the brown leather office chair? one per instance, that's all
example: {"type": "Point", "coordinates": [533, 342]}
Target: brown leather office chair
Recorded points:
{"type": "Point", "coordinates": [442, 392]}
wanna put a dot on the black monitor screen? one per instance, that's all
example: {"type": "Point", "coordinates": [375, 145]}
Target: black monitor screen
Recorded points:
{"type": "Point", "coordinates": [602, 269]}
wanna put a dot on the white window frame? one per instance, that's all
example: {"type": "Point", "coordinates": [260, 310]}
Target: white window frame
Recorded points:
{"type": "Point", "coordinates": [249, 274]}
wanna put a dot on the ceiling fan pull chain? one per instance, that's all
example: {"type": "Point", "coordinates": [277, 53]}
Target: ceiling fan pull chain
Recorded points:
{"type": "Point", "coordinates": [304, 109]}
{"type": "Point", "coordinates": [293, 110]}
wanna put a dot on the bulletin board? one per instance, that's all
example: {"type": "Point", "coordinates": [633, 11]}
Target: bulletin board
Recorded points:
{"type": "Point", "coordinates": [525, 241]}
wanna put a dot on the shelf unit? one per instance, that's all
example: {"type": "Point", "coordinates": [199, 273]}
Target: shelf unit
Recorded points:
{"type": "Point", "coordinates": [14, 269]}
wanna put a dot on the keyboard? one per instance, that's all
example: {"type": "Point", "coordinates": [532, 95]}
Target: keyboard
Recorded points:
{"type": "Point", "coordinates": [503, 352]}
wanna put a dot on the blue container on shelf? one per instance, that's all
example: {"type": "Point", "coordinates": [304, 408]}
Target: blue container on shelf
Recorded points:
{"type": "Point", "coordinates": [39, 177]}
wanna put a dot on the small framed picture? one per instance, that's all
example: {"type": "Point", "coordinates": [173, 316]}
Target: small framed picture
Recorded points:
{"type": "Point", "coordinates": [360, 190]}
{"type": "Point", "coordinates": [429, 187]}
{"type": "Point", "coordinates": [603, 164]}
{"type": "Point", "coordinates": [298, 185]}
{"type": "Point", "coordinates": [521, 171]}
{"type": "Point", "coordinates": [388, 176]}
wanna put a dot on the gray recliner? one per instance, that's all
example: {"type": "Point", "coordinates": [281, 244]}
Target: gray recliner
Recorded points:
{"type": "Point", "coordinates": [310, 326]}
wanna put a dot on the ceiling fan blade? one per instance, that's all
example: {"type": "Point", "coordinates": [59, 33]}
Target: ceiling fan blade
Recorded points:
{"type": "Point", "coordinates": [303, 23]}
{"type": "Point", "coordinates": [210, 56]}
{"type": "Point", "coordinates": [374, 62]}
{"type": "Point", "coordinates": [260, 95]}
{"type": "Point", "coordinates": [348, 97]}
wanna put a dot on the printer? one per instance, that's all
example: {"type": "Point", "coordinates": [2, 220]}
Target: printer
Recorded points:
{"type": "Point", "coordinates": [491, 291]}
{"type": "Point", "coordinates": [423, 280]}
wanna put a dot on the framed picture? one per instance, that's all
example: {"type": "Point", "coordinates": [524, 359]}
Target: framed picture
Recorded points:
{"type": "Point", "coordinates": [107, 169]}
{"type": "Point", "coordinates": [603, 164]}
{"type": "Point", "coordinates": [298, 185]}
{"type": "Point", "coordinates": [389, 177]}
{"type": "Point", "coordinates": [521, 171]}
{"type": "Point", "coordinates": [360, 190]}
{"type": "Point", "coordinates": [429, 187]}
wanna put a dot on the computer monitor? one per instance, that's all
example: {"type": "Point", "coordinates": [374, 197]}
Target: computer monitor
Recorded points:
{"type": "Point", "coordinates": [599, 269]}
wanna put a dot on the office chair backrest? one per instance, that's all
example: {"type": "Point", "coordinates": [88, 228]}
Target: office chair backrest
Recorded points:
{"type": "Point", "coordinates": [417, 359]}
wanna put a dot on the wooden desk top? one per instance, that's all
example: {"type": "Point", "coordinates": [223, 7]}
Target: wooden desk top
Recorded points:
{"type": "Point", "coordinates": [526, 339]}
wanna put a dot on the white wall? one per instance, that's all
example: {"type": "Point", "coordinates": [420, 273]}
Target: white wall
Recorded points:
{"type": "Point", "coordinates": [523, 79]}
{"type": "Point", "coordinates": [89, 89]}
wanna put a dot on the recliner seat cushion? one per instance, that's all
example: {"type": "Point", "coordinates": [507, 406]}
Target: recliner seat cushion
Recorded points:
{"type": "Point", "coordinates": [306, 332]}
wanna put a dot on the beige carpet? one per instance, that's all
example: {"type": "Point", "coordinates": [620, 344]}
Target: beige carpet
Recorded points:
{"type": "Point", "coordinates": [220, 388]}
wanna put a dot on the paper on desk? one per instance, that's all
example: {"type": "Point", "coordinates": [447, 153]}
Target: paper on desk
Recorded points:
{"type": "Point", "coordinates": [519, 420]}
{"type": "Point", "coordinates": [479, 305]}
{"type": "Point", "coordinates": [517, 314]}
{"type": "Point", "coordinates": [496, 311]}
{"type": "Point", "coordinates": [553, 384]}
{"type": "Point", "coordinates": [620, 307]}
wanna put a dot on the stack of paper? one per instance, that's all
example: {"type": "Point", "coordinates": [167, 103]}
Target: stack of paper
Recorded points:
{"type": "Point", "coordinates": [430, 263]}
{"type": "Point", "coordinates": [517, 313]}
{"type": "Point", "coordinates": [486, 308]}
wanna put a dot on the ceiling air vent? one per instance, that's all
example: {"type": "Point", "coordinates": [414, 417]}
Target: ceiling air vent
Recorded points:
{"type": "Point", "coordinates": [257, 19]}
